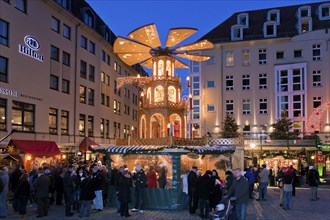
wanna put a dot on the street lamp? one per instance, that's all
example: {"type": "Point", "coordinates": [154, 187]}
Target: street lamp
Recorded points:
{"type": "Point", "coordinates": [252, 146]}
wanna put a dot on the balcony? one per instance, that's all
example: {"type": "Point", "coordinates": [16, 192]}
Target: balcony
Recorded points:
{"type": "Point", "coordinates": [163, 104]}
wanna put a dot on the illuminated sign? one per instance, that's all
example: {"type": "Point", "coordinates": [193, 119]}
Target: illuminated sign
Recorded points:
{"type": "Point", "coordinates": [8, 92]}
{"type": "Point", "coordinates": [32, 45]}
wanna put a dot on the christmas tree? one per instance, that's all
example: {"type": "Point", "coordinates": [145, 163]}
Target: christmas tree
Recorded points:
{"type": "Point", "coordinates": [229, 128]}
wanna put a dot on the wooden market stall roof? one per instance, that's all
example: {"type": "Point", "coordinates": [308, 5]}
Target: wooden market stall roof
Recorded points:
{"type": "Point", "coordinates": [126, 149]}
{"type": "Point", "coordinates": [86, 143]}
{"type": "Point", "coordinates": [37, 148]}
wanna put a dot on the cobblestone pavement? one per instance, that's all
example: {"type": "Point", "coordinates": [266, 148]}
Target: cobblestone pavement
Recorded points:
{"type": "Point", "coordinates": [303, 209]}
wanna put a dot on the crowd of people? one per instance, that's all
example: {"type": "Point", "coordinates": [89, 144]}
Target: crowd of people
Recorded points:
{"type": "Point", "coordinates": [81, 185]}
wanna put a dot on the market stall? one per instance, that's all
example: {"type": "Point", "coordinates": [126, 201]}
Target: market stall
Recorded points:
{"type": "Point", "coordinates": [168, 162]}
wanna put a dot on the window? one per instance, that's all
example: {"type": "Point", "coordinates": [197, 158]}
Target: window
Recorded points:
{"type": "Point", "coordinates": [229, 83]}
{"type": "Point", "coordinates": [115, 66]}
{"type": "Point", "coordinates": [107, 80]}
{"type": "Point", "coordinates": [236, 32]}
{"type": "Point", "coordinates": [210, 84]}
{"type": "Point", "coordinates": [82, 124]}
{"type": "Point", "coordinates": [107, 101]}
{"type": "Point", "coordinates": [66, 31]}
{"type": "Point", "coordinates": [103, 77]}
{"type": "Point", "coordinates": [102, 99]}
{"type": "Point", "coordinates": [64, 3]}
{"type": "Point", "coordinates": [304, 25]}
{"type": "Point", "coordinates": [317, 101]}
{"type": "Point", "coordinates": [243, 19]}
{"type": "Point", "coordinates": [274, 15]}
{"type": "Point", "coordinates": [195, 86]}
{"type": "Point", "coordinates": [119, 69]}
{"type": "Point", "coordinates": [52, 121]}
{"type": "Point", "coordinates": [246, 57]}
{"type": "Point", "coordinates": [108, 60]}
{"type": "Point", "coordinates": [90, 126]}
{"type": "Point", "coordinates": [246, 107]}
{"type": "Point", "coordinates": [324, 11]}
{"type": "Point", "coordinates": [115, 106]}
{"type": "Point", "coordinates": [91, 47]}
{"type": "Point", "coordinates": [210, 108]}
{"type": "Point", "coordinates": [280, 55]}
{"type": "Point", "coordinates": [89, 19]}
{"type": "Point", "coordinates": [263, 81]}
{"type": "Point", "coordinates": [3, 114]}
{"type": "Point", "coordinates": [55, 25]}
{"type": "Point", "coordinates": [102, 125]}
{"type": "Point", "coordinates": [297, 78]}
{"type": "Point", "coordinates": [246, 82]}
{"type": "Point", "coordinates": [53, 82]}
{"type": "Point", "coordinates": [82, 94]}
{"type": "Point", "coordinates": [263, 106]}
{"type": "Point", "coordinates": [4, 32]}
{"type": "Point", "coordinates": [297, 53]}
{"type": "Point", "coordinates": [3, 69]}
{"type": "Point", "coordinates": [270, 29]}
{"type": "Point", "coordinates": [262, 56]}
{"type": "Point", "coordinates": [23, 115]}
{"type": "Point", "coordinates": [210, 61]}
{"type": "Point", "coordinates": [229, 58]}
{"type": "Point", "coordinates": [83, 69]}
{"type": "Point", "coordinates": [83, 42]}
{"type": "Point", "coordinates": [91, 75]}
{"type": "Point", "coordinates": [114, 129]}
{"type": "Point", "coordinates": [64, 122]}
{"type": "Point", "coordinates": [65, 86]}
{"type": "Point", "coordinates": [115, 86]}
{"type": "Point", "coordinates": [90, 96]}
{"type": "Point", "coordinates": [54, 53]}
{"type": "Point", "coordinates": [107, 128]}
{"type": "Point", "coordinates": [194, 66]}
{"type": "Point", "coordinates": [230, 107]}
{"type": "Point", "coordinates": [66, 58]}
{"type": "Point", "coordinates": [316, 52]}
{"type": "Point", "coordinates": [118, 107]}
{"type": "Point", "coordinates": [298, 105]}
{"type": "Point", "coordinates": [304, 11]}
{"type": "Point", "coordinates": [283, 81]}
{"type": "Point", "coordinates": [317, 78]}
{"type": "Point", "coordinates": [21, 5]}
{"type": "Point", "coordinates": [103, 55]}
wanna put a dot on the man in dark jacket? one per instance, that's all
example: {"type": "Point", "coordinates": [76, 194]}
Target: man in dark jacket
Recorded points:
{"type": "Point", "coordinates": [313, 181]}
{"type": "Point", "coordinates": [140, 183]}
{"type": "Point", "coordinates": [14, 180]}
{"type": "Point", "coordinates": [42, 193]}
{"type": "Point", "coordinates": [193, 199]}
{"type": "Point", "coordinates": [97, 180]}
{"type": "Point", "coordinates": [68, 186]}
{"type": "Point", "coordinates": [204, 188]}
{"type": "Point", "coordinates": [124, 194]}
{"type": "Point", "coordinates": [240, 190]}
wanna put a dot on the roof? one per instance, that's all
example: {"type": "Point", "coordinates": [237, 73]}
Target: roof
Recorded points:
{"type": "Point", "coordinates": [143, 149]}
{"type": "Point", "coordinates": [87, 142]}
{"type": "Point", "coordinates": [37, 148]}
{"type": "Point", "coordinates": [257, 18]}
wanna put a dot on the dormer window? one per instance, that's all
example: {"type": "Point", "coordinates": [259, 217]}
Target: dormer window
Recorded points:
{"type": "Point", "coordinates": [236, 32]}
{"type": "Point", "coordinates": [324, 11]}
{"type": "Point", "coordinates": [89, 19]}
{"type": "Point", "coordinates": [274, 15]}
{"type": "Point", "coordinates": [304, 11]}
{"type": "Point", "coordinates": [304, 25]}
{"type": "Point", "coordinates": [270, 29]}
{"type": "Point", "coordinates": [243, 19]}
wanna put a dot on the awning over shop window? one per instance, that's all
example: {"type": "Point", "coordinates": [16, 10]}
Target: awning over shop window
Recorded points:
{"type": "Point", "coordinates": [83, 146]}
{"type": "Point", "coordinates": [37, 148]}
{"type": "Point", "coordinates": [114, 149]}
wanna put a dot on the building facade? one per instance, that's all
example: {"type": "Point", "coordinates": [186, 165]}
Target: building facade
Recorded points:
{"type": "Point", "coordinates": [58, 75]}
{"type": "Point", "coordinates": [265, 62]}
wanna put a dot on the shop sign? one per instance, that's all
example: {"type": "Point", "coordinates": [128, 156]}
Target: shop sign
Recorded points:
{"type": "Point", "coordinates": [31, 48]}
{"type": "Point", "coordinates": [8, 92]}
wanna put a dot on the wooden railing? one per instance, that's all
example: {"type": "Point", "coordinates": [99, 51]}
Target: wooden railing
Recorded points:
{"type": "Point", "coordinates": [164, 104]}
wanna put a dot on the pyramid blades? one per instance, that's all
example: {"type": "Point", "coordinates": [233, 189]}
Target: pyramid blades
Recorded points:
{"type": "Point", "coordinates": [124, 45]}
{"type": "Point", "coordinates": [177, 35]}
{"type": "Point", "coordinates": [194, 57]}
{"type": "Point", "coordinates": [147, 64]}
{"type": "Point", "coordinates": [199, 45]}
{"type": "Point", "coordinates": [147, 35]}
{"type": "Point", "coordinates": [179, 64]}
{"type": "Point", "coordinates": [133, 58]}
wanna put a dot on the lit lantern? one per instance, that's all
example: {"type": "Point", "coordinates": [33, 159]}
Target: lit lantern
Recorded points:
{"type": "Point", "coordinates": [188, 82]}
{"type": "Point", "coordinates": [190, 101]}
{"type": "Point", "coordinates": [28, 157]}
{"type": "Point", "coordinates": [63, 156]}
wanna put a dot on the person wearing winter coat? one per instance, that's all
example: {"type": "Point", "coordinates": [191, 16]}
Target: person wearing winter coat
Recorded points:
{"type": "Point", "coordinates": [41, 187]}
{"type": "Point", "coordinates": [313, 182]}
{"type": "Point", "coordinates": [288, 177]}
{"type": "Point", "coordinates": [4, 179]}
{"type": "Point", "coordinates": [68, 186]}
{"type": "Point", "coordinates": [140, 183]}
{"type": "Point", "coordinates": [124, 193]}
{"type": "Point", "coordinates": [14, 180]}
{"type": "Point", "coordinates": [192, 192]}
{"type": "Point", "coordinates": [204, 188]}
{"type": "Point", "coordinates": [58, 180]}
{"type": "Point", "coordinates": [216, 190]}
{"type": "Point", "coordinates": [23, 192]}
{"type": "Point", "coordinates": [251, 178]}
{"type": "Point", "coordinates": [87, 195]}
{"type": "Point", "coordinates": [152, 178]}
{"type": "Point", "coordinates": [97, 179]}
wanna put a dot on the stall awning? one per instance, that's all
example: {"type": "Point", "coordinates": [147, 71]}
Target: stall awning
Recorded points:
{"type": "Point", "coordinates": [115, 149]}
{"type": "Point", "coordinates": [38, 148]}
{"type": "Point", "coordinates": [83, 146]}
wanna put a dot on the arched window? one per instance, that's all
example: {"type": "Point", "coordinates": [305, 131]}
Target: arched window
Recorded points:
{"type": "Point", "coordinates": [168, 68]}
{"type": "Point", "coordinates": [159, 94]}
{"type": "Point", "coordinates": [155, 69]}
{"type": "Point", "coordinates": [171, 94]}
{"type": "Point", "coordinates": [160, 68]}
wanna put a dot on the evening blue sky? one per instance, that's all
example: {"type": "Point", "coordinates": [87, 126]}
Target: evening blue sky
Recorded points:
{"type": "Point", "coordinates": [124, 16]}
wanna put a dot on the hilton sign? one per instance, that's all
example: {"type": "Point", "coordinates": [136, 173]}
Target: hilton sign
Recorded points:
{"type": "Point", "coordinates": [32, 45]}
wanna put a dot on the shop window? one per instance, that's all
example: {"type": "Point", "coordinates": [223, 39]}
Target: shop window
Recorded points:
{"type": "Point", "coordinates": [82, 95]}
{"type": "Point", "coordinates": [3, 69]}
{"type": "Point", "coordinates": [246, 57]}
{"type": "Point", "coordinates": [317, 80]}
{"type": "Point", "coordinates": [82, 124]}
{"type": "Point", "coordinates": [21, 5]}
{"type": "Point", "coordinates": [55, 24]}
{"type": "Point", "coordinates": [90, 126]}
{"type": "Point", "coordinates": [54, 82]}
{"type": "Point", "coordinates": [66, 31]}
{"type": "Point", "coordinates": [4, 32]}
{"type": "Point", "coordinates": [64, 122]}
{"type": "Point", "coordinates": [65, 86]}
{"type": "Point", "coordinates": [52, 120]}
{"type": "Point", "coordinates": [23, 116]}
{"type": "Point", "coordinates": [3, 114]}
